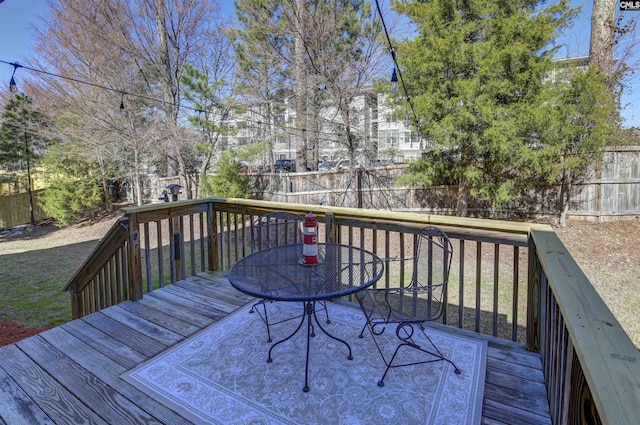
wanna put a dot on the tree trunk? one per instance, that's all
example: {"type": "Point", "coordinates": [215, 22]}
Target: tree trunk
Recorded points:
{"type": "Point", "coordinates": [565, 197]}
{"type": "Point", "coordinates": [603, 26]}
{"type": "Point", "coordinates": [27, 156]}
{"type": "Point", "coordinates": [301, 89]}
{"type": "Point", "coordinates": [462, 205]}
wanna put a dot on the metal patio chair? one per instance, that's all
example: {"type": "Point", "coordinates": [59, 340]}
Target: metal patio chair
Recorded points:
{"type": "Point", "coordinates": [404, 311]}
{"type": "Point", "coordinates": [272, 230]}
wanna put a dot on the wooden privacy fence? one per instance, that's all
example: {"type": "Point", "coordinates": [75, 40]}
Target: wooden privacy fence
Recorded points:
{"type": "Point", "coordinates": [611, 191]}
{"type": "Point", "coordinates": [590, 365]}
{"type": "Point", "coordinates": [14, 209]}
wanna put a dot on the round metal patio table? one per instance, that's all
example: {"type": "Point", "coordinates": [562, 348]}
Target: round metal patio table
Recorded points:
{"type": "Point", "coordinates": [278, 274]}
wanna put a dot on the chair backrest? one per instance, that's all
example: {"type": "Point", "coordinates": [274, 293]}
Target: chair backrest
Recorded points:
{"type": "Point", "coordinates": [276, 229]}
{"type": "Point", "coordinates": [433, 253]}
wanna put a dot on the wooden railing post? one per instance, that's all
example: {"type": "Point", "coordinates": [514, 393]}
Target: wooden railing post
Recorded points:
{"type": "Point", "coordinates": [330, 227]}
{"type": "Point", "coordinates": [75, 304]}
{"type": "Point", "coordinates": [134, 258]}
{"type": "Point", "coordinates": [534, 277]}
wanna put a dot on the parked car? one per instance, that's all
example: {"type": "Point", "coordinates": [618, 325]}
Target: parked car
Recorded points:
{"type": "Point", "coordinates": [380, 163]}
{"type": "Point", "coordinates": [284, 165]}
{"type": "Point", "coordinates": [326, 165]}
{"type": "Point", "coordinates": [343, 164]}
{"type": "Point", "coordinates": [339, 164]}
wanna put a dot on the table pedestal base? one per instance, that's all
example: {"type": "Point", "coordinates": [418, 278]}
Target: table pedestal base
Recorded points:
{"type": "Point", "coordinates": [309, 312]}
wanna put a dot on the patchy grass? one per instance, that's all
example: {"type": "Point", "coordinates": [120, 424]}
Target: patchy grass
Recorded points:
{"type": "Point", "coordinates": [36, 265]}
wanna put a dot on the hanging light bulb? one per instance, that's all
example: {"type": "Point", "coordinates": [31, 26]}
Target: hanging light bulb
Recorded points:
{"type": "Point", "coordinates": [393, 87]}
{"type": "Point", "coordinates": [356, 3]}
{"type": "Point", "coordinates": [121, 103]}
{"type": "Point", "coordinates": [13, 87]}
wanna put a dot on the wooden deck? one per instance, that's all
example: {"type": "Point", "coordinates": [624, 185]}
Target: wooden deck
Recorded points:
{"type": "Point", "coordinates": [71, 374]}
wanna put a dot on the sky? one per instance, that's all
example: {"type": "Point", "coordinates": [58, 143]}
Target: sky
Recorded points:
{"type": "Point", "coordinates": [17, 42]}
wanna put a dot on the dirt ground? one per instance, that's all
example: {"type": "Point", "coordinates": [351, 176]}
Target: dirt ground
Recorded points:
{"type": "Point", "coordinates": [608, 253]}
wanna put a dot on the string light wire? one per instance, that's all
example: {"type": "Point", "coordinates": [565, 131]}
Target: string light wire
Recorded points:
{"type": "Point", "coordinates": [399, 71]}
{"type": "Point", "coordinates": [321, 135]}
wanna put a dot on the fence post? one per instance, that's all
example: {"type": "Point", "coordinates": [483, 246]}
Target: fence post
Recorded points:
{"type": "Point", "coordinates": [134, 260]}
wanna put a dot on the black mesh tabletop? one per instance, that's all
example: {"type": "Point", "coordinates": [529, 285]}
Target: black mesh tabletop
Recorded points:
{"type": "Point", "coordinates": [277, 273]}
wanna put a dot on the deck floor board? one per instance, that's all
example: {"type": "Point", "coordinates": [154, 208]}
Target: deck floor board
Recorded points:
{"type": "Point", "coordinates": [71, 373]}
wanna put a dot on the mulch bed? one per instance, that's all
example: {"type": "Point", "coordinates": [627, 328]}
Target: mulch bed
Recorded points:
{"type": "Point", "coordinates": [12, 332]}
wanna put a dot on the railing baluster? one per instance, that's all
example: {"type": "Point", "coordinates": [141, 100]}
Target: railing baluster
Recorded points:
{"type": "Point", "coordinates": [496, 274]}
{"type": "Point", "coordinates": [515, 293]}
{"type": "Point", "coordinates": [117, 297]}
{"type": "Point", "coordinates": [387, 254]}
{"type": "Point", "coordinates": [192, 245]}
{"type": "Point", "coordinates": [182, 266]}
{"type": "Point", "coordinates": [172, 250]}
{"type": "Point", "coordinates": [461, 286]}
{"type": "Point", "coordinates": [160, 255]}
{"type": "Point", "coordinates": [374, 247]}
{"type": "Point", "coordinates": [231, 252]}
{"type": "Point", "coordinates": [202, 242]}
{"type": "Point", "coordinates": [478, 308]}
{"type": "Point", "coordinates": [109, 284]}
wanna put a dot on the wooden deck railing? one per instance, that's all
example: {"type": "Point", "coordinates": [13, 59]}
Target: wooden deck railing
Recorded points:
{"type": "Point", "coordinates": [536, 295]}
{"type": "Point", "coordinates": [103, 280]}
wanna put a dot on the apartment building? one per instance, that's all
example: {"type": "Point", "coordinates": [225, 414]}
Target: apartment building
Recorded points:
{"type": "Point", "coordinates": [377, 132]}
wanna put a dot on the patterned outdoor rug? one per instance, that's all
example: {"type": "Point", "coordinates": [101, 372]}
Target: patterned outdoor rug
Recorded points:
{"type": "Point", "coordinates": [221, 376]}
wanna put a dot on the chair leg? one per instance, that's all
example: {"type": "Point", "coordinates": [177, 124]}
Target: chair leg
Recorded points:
{"type": "Point", "coordinates": [264, 318]}
{"type": "Point", "coordinates": [326, 311]}
{"type": "Point", "coordinates": [361, 335]}
{"type": "Point", "coordinates": [408, 341]}
{"type": "Point", "coordinates": [439, 354]}
{"type": "Point", "coordinates": [381, 381]}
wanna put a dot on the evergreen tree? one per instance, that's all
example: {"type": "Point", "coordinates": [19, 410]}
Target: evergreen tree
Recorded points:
{"type": "Point", "coordinates": [22, 142]}
{"type": "Point", "coordinates": [210, 114]}
{"type": "Point", "coordinates": [229, 179]}
{"type": "Point", "coordinates": [74, 189]}
{"type": "Point", "coordinates": [482, 76]}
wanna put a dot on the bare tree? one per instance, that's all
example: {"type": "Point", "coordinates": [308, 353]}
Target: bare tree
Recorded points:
{"type": "Point", "coordinates": [612, 44]}
{"type": "Point", "coordinates": [325, 53]}
{"type": "Point", "coordinates": [131, 53]}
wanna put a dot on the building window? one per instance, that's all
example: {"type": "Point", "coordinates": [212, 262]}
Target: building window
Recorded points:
{"type": "Point", "coordinates": [241, 125]}
{"type": "Point", "coordinates": [392, 138]}
{"type": "Point", "coordinates": [391, 118]}
{"type": "Point", "coordinates": [242, 141]}
{"type": "Point", "coordinates": [410, 139]}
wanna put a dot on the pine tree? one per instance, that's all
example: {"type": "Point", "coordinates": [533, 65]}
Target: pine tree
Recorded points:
{"type": "Point", "coordinates": [22, 142]}
{"type": "Point", "coordinates": [481, 74]}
